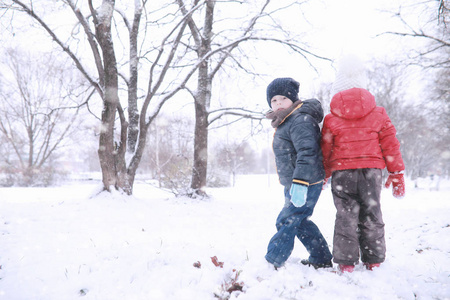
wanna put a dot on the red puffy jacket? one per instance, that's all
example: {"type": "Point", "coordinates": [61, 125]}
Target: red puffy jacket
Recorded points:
{"type": "Point", "coordinates": [358, 134]}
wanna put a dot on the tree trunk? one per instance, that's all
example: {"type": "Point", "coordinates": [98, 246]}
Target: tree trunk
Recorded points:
{"type": "Point", "coordinates": [199, 170]}
{"type": "Point", "coordinates": [133, 112]}
{"type": "Point", "coordinates": [202, 104]}
{"type": "Point", "coordinates": [107, 150]}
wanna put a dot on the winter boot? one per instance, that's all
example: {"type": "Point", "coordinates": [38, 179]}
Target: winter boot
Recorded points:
{"type": "Point", "coordinates": [346, 268]}
{"type": "Point", "coordinates": [306, 262]}
{"type": "Point", "coordinates": [371, 266]}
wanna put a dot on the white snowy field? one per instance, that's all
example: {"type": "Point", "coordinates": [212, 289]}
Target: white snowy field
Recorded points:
{"type": "Point", "coordinates": [69, 243]}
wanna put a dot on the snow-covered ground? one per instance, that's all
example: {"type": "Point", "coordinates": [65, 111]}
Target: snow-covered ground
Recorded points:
{"type": "Point", "coordinates": [68, 242]}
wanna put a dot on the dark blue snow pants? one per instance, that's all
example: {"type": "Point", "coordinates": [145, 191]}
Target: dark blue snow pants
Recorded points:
{"type": "Point", "coordinates": [294, 222]}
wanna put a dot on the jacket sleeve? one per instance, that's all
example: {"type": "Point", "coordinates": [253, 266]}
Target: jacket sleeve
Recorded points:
{"type": "Point", "coordinates": [390, 146]}
{"type": "Point", "coordinates": [326, 144]}
{"type": "Point", "coordinates": [305, 136]}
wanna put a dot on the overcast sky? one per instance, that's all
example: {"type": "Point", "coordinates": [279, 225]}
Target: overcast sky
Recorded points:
{"type": "Point", "coordinates": [340, 27]}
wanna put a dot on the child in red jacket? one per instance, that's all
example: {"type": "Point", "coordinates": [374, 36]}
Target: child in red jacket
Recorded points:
{"type": "Point", "coordinates": [358, 142]}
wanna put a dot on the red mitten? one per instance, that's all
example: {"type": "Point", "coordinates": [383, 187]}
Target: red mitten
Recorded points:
{"type": "Point", "coordinates": [398, 184]}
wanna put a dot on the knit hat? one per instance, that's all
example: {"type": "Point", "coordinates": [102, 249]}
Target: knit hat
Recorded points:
{"type": "Point", "coordinates": [351, 74]}
{"type": "Point", "coordinates": [287, 87]}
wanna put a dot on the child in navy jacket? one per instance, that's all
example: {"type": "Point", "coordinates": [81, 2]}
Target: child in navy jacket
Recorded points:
{"type": "Point", "coordinates": [298, 156]}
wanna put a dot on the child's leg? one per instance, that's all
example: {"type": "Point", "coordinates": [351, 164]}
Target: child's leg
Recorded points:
{"type": "Point", "coordinates": [310, 235]}
{"type": "Point", "coordinates": [288, 223]}
{"type": "Point", "coordinates": [372, 242]}
{"type": "Point", "coordinates": [282, 243]}
{"type": "Point", "coordinates": [345, 196]}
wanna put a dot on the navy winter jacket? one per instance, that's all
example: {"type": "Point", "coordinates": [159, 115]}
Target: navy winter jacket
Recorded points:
{"type": "Point", "coordinates": [296, 144]}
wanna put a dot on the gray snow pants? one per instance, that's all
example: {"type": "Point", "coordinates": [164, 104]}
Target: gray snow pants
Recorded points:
{"type": "Point", "coordinates": [359, 224]}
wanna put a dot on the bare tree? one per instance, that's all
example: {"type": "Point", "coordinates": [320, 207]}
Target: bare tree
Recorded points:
{"type": "Point", "coordinates": [236, 158]}
{"type": "Point", "coordinates": [433, 57]}
{"type": "Point", "coordinates": [170, 154]}
{"type": "Point", "coordinates": [206, 43]}
{"type": "Point", "coordinates": [101, 28]}
{"type": "Point", "coordinates": [34, 117]}
{"type": "Point", "coordinates": [439, 114]}
{"type": "Point", "coordinates": [416, 131]}
{"type": "Point", "coordinates": [434, 30]}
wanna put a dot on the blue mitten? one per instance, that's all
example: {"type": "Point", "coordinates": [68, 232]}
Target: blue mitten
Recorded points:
{"type": "Point", "coordinates": [298, 194]}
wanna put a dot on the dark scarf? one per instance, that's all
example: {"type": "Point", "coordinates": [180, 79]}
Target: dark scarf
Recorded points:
{"type": "Point", "coordinates": [278, 117]}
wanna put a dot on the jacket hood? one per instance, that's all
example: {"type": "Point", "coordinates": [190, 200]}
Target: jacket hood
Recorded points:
{"type": "Point", "coordinates": [311, 107]}
{"type": "Point", "coordinates": [353, 103]}
{"type": "Point", "coordinates": [314, 108]}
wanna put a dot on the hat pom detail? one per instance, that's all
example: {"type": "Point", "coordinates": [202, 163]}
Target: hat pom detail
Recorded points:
{"type": "Point", "coordinates": [351, 74]}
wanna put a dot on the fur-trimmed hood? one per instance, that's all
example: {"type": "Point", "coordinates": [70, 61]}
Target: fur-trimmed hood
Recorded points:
{"type": "Point", "coordinates": [311, 107]}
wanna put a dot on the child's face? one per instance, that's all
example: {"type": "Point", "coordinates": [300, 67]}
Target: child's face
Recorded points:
{"type": "Point", "coordinates": [280, 102]}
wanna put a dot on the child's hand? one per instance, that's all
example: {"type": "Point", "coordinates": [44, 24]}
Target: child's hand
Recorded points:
{"type": "Point", "coordinates": [398, 184]}
{"type": "Point", "coordinates": [298, 194]}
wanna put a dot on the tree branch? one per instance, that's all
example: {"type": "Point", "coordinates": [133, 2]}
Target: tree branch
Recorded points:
{"type": "Point", "coordinates": [66, 49]}
{"type": "Point", "coordinates": [237, 111]}
{"type": "Point", "coordinates": [91, 39]}
{"type": "Point", "coordinates": [420, 35]}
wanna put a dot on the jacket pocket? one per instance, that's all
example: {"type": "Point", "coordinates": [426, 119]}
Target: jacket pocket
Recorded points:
{"type": "Point", "coordinates": [285, 162]}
